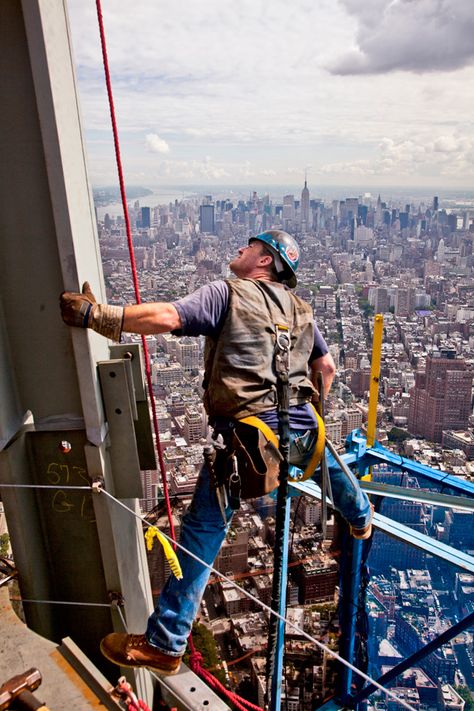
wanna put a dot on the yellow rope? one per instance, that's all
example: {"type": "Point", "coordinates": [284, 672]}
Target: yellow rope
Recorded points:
{"type": "Point", "coordinates": [170, 554]}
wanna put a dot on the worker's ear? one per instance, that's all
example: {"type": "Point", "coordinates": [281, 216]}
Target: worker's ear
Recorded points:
{"type": "Point", "coordinates": [265, 260]}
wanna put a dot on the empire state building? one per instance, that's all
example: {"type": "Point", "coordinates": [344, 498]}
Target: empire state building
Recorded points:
{"type": "Point", "coordinates": [305, 208]}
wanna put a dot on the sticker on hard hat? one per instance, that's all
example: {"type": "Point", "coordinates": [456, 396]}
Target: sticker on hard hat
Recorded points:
{"type": "Point", "coordinates": [292, 253]}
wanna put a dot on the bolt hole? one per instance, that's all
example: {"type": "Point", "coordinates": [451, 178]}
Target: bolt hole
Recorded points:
{"type": "Point", "coordinates": [205, 703]}
{"type": "Point", "coordinates": [118, 411]}
{"type": "Point", "coordinates": [113, 374]}
{"type": "Point", "coordinates": [193, 688]}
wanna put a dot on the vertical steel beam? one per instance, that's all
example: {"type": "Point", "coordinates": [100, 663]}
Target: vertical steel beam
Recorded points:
{"type": "Point", "coordinates": [276, 682]}
{"type": "Point", "coordinates": [349, 605]}
{"type": "Point", "coordinates": [374, 379]}
{"type": "Point", "coordinates": [48, 244]}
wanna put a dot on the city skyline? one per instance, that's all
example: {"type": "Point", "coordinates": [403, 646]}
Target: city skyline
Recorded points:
{"type": "Point", "coordinates": [361, 95]}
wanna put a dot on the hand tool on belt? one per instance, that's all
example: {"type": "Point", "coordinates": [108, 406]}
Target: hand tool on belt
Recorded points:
{"type": "Point", "coordinates": [213, 457]}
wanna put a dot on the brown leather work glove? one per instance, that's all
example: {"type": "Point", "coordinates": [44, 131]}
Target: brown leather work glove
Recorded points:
{"type": "Point", "coordinates": [76, 308]}
{"type": "Point", "coordinates": [83, 311]}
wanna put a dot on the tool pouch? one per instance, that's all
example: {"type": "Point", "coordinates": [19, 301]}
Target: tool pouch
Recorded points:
{"type": "Point", "coordinates": [258, 460]}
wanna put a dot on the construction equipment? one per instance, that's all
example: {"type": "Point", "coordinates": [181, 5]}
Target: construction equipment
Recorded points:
{"type": "Point", "coordinates": [18, 691]}
{"type": "Point", "coordinates": [7, 570]}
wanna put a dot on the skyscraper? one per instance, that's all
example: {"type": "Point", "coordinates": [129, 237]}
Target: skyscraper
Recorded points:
{"type": "Point", "coordinates": [145, 221]}
{"type": "Point", "coordinates": [378, 212]}
{"type": "Point", "coordinates": [206, 218]}
{"type": "Point", "coordinates": [441, 398]}
{"type": "Point", "coordinates": [351, 206]}
{"type": "Point", "coordinates": [404, 301]}
{"type": "Point", "coordinates": [288, 211]}
{"type": "Point", "coordinates": [403, 217]}
{"type": "Point", "coordinates": [381, 300]}
{"type": "Point", "coordinates": [305, 207]}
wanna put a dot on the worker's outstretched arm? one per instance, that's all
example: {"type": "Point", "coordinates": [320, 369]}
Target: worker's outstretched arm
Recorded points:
{"type": "Point", "coordinates": [146, 319]}
{"type": "Point", "coordinates": [82, 310]}
{"type": "Point", "coordinates": [325, 365]}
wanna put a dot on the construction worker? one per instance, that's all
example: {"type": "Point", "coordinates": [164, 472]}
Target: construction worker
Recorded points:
{"type": "Point", "coordinates": [238, 318]}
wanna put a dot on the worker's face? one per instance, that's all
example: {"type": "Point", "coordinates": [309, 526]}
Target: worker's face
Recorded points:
{"type": "Point", "coordinates": [248, 260]}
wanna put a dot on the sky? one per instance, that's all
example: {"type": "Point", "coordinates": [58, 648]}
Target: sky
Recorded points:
{"type": "Point", "coordinates": [239, 92]}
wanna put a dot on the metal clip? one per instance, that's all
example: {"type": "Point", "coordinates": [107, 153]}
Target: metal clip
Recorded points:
{"type": "Point", "coordinates": [282, 351]}
{"type": "Point", "coordinates": [216, 480]}
{"type": "Point", "coordinates": [97, 485]}
{"type": "Point", "coordinates": [116, 598]}
{"type": "Point", "coordinates": [282, 337]}
{"type": "Point", "coordinates": [234, 485]}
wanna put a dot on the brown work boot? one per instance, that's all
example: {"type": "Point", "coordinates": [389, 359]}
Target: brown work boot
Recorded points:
{"type": "Point", "coordinates": [133, 650]}
{"type": "Point", "coordinates": [361, 534]}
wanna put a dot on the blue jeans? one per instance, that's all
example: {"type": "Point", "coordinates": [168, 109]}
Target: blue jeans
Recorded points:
{"type": "Point", "coordinates": [203, 531]}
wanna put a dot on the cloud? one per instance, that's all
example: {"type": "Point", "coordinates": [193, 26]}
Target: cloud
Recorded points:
{"type": "Point", "coordinates": [358, 167]}
{"type": "Point", "coordinates": [259, 102]}
{"type": "Point", "coordinates": [192, 170]}
{"type": "Point", "coordinates": [195, 132]}
{"type": "Point", "coordinates": [156, 144]}
{"type": "Point", "coordinates": [446, 155]}
{"type": "Point", "coordinates": [446, 144]}
{"type": "Point", "coordinates": [411, 35]}
{"type": "Point", "coordinates": [247, 170]}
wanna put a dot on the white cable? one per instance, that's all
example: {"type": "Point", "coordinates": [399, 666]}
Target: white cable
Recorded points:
{"type": "Point", "coordinates": [122, 617]}
{"type": "Point", "coordinates": [42, 486]}
{"type": "Point", "coordinates": [267, 608]}
{"type": "Point", "coordinates": [64, 602]}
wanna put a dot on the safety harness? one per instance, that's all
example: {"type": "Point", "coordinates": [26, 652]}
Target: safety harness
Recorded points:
{"type": "Point", "coordinates": [246, 459]}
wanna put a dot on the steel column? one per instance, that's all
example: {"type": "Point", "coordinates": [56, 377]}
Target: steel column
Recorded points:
{"type": "Point", "coordinates": [350, 583]}
{"type": "Point", "coordinates": [374, 379]}
{"type": "Point", "coordinates": [276, 684]}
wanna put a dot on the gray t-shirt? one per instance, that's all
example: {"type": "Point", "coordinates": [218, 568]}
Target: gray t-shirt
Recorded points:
{"type": "Point", "coordinates": [202, 313]}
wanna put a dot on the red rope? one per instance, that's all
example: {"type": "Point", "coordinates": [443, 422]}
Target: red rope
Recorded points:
{"type": "Point", "coordinates": [195, 662]}
{"type": "Point", "coordinates": [133, 264]}
{"type": "Point", "coordinates": [125, 692]}
{"type": "Point", "coordinates": [195, 657]}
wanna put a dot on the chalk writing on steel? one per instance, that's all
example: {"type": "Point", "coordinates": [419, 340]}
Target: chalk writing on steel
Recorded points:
{"type": "Point", "coordinates": [64, 501]}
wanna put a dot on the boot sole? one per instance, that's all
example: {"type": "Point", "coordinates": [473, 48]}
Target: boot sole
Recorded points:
{"type": "Point", "coordinates": [138, 665]}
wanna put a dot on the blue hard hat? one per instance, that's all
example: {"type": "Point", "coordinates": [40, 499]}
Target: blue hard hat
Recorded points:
{"type": "Point", "coordinates": [286, 252]}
